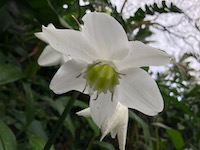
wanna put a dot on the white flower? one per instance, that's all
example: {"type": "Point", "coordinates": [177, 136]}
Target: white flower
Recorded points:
{"type": "Point", "coordinates": [49, 56]}
{"type": "Point", "coordinates": [116, 124]}
{"type": "Point", "coordinates": [106, 65]}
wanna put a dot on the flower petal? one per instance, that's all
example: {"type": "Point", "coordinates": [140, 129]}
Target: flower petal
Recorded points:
{"type": "Point", "coordinates": [66, 78]}
{"type": "Point", "coordinates": [40, 35]}
{"type": "Point", "coordinates": [85, 112]}
{"type": "Point", "coordinates": [106, 35]}
{"type": "Point", "coordinates": [139, 91]}
{"type": "Point", "coordinates": [102, 108]}
{"type": "Point", "coordinates": [68, 42]}
{"type": "Point", "coordinates": [122, 132]}
{"type": "Point", "coordinates": [50, 57]}
{"type": "Point", "coordinates": [117, 123]}
{"type": "Point", "coordinates": [141, 55]}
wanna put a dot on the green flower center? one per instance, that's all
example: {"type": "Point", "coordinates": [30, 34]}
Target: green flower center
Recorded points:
{"type": "Point", "coordinates": [101, 77]}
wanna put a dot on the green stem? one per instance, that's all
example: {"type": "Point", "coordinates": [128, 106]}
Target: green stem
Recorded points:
{"type": "Point", "coordinates": [61, 121]}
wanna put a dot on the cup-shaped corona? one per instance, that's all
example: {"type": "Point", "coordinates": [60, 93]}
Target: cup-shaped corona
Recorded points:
{"type": "Point", "coordinates": [102, 77]}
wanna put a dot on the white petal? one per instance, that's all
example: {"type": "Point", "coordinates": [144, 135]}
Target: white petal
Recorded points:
{"type": "Point", "coordinates": [50, 57]}
{"type": "Point", "coordinates": [122, 133]}
{"type": "Point", "coordinates": [51, 26]}
{"type": "Point", "coordinates": [69, 42]}
{"type": "Point", "coordinates": [107, 36]}
{"type": "Point", "coordinates": [85, 112]}
{"type": "Point", "coordinates": [141, 55]}
{"type": "Point", "coordinates": [41, 36]}
{"type": "Point", "coordinates": [139, 91]}
{"type": "Point", "coordinates": [113, 133]}
{"type": "Point", "coordinates": [117, 123]}
{"type": "Point", "coordinates": [102, 108]}
{"type": "Point", "coordinates": [66, 78]}
{"type": "Point", "coordinates": [64, 59]}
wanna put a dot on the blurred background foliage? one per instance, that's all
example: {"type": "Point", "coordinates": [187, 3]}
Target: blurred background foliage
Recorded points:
{"type": "Point", "coordinates": [29, 110]}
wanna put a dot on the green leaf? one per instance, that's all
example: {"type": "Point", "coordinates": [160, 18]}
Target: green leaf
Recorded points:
{"type": "Point", "coordinates": [174, 135]}
{"type": "Point", "coordinates": [104, 145]}
{"type": "Point", "coordinates": [176, 138]}
{"type": "Point", "coordinates": [139, 15]}
{"type": "Point", "coordinates": [37, 143]}
{"type": "Point", "coordinates": [145, 128]}
{"type": "Point", "coordinates": [36, 128]}
{"type": "Point", "coordinates": [31, 69]}
{"type": "Point", "coordinates": [7, 138]}
{"type": "Point", "coordinates": [30, 105]}
{"type": "Point", "coordinates": [9, 73]}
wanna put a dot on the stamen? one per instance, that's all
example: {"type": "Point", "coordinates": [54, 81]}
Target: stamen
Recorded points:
{"type": "Point", "coordinates": [96, 97]}
{"type": "Point", "coordinates": [112, 96]}
{"type": "Point", "coordinates": [121, 73]}
{"type": "Point", "coordinates": [82, 72]}
{"type": "Point", "coordinates": [85, 87]}
{"type": "Point", "coordinates": [80, 27]}
{"type": "Point", "coordinates": [79, 75]}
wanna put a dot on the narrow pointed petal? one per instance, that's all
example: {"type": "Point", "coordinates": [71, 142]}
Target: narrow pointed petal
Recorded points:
{"type": "Point", "coordinates": [66, 79]}
{"type": "Point", "coordinates": [41, 36]}
{"type": "Point", "coordinates": [139, 91]}
{"type": "Point", "coordinates": [122, 133]}
{"type": "Point", "coordinates": [85, 112]}
{"type": "Point", "coordinates": [113, 133]}
{"type": "Point", "coordinates": [50, 57]}
{"type": "Point", "coordinates": [102, 107]}
{"type": "Point", "coordinates": [141, 55]}
{"type": "Point", "coordinates": [122, 125]}
{"type": "Point", "coordinates": [117, 124]}
{"type": "Point", "coordinates": [68, 42]}
{"type": "Point", "coordinates": [107, 36]}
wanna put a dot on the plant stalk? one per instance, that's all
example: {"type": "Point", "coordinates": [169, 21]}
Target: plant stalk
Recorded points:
{"type": "Point", "coordinates": [61, 121]}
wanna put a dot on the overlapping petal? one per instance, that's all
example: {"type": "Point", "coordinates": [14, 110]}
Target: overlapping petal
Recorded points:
{"type": "Point", "coordinates": [106, 35]}
{"type": "Point", "coordinates": [102, 108]}
{"type": "Point", "coordinates": [69, 42]}
{"type": "Point", "coordinates": [66, 78]}
{"type": "Point", "coordinates": [50, 57]}
{"type": "Point", "coordinates": [141, 55]}
{"type": "Point", "coordinates": [139, 91]}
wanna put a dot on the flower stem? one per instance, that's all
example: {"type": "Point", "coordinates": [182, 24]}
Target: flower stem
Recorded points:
{"type": "Point", "coordinates": [61, 121]}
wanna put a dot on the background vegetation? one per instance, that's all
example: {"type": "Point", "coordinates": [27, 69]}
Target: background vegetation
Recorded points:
{"type": "Point", "coordinates": [29, 110]}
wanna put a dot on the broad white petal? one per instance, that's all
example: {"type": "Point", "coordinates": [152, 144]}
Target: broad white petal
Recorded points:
{"type": "Point", "coordinates": [69, 42]}
{"type": "Point", "coordinates": [66, 78]}
{"type": "Point", "coordinates": [141, 55]}
{"type": "Point", "coordinates": [85, 112]}
{"type": "Point", "coordinates": [50, 57]}
{"type": "Point", "coordinates": [107, 36]}
{"type": "Point", "coordinates": [102, 108]}
{"type": "Point", "coordinates": [139, 91]}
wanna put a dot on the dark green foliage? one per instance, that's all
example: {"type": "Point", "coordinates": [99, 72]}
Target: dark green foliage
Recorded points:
{"type": "Point", "coordinates": [29, 110]}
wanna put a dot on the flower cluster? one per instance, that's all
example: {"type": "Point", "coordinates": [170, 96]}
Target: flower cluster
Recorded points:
{"type": "Point", "coordinates": [100, 61]}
